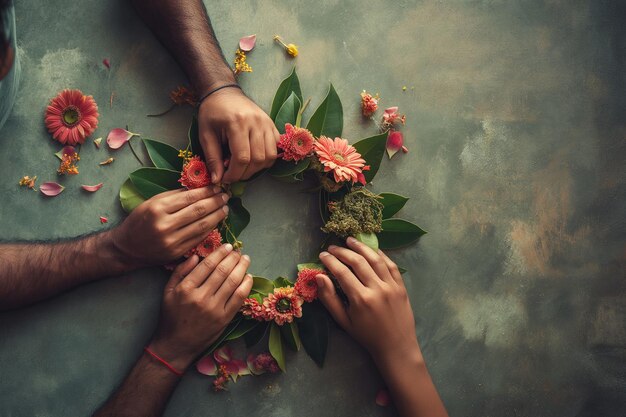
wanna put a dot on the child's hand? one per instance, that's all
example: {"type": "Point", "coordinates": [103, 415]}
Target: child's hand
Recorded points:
{"type": "Point", "coordinates": [378, 314]}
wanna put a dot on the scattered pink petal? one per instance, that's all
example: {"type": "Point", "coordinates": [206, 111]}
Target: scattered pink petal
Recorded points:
{"type": "Point", "coordinates": [223, 354]}
{"type": "Point", "coordinates": [106, 63]}
{"type": "Point", "coordinates": [51, 189]}
{"type": "Point", "coordinates": [107, 161]}
{"type": "Point", "coordinates": [395, 141]}
{"type": "Point", "coordinates": [391, 110]}
{"type": "Point", "coordinates": [118, 137]}
{"type": "Point", "coordinates": [103, 220]}
{"type": "Point", "coordinates": [405, 149]}
{"type": "Point", "coordinates": [247, 43]}
{"type": "Point", "coordinates": [206, 366]}
{"type": "Point", "coordinates": [97, 142]}
{"type": "Point", "coordinates": [67, 150]}
{"type": "Point", "coordinates": [92, 188]}
{"type": "Point", "coordinates": [382, 398]}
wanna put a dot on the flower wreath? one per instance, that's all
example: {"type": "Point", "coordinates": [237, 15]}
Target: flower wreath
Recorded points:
{"type": "Point", "coordinates": [286, 309]}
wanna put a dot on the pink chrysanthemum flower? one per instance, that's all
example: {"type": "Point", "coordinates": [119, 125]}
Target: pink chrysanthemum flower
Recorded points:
{"type": "Point", "coordinates": [208, 245]}
{"type": "Point", "coordinates": [253, 309]}
{"type": "Point", "coordinates": [339, 157]}
{"type": "Point", "coordinates": [71, 117]}
{"type": "Point", "coordinates": [261, 363]}
{"type": "Point", "coordinates": [391, 117]}
{"type": "Point", "coordinates": [306, 286]}
{"type": "Point", "coordinates": [195, 174]}
{"type": "Point", "coordinates": [296, 143]}
{"type": "Point", "coordinates": [369, 103]}
{"type": "Point", "coordinates": [283, 305]}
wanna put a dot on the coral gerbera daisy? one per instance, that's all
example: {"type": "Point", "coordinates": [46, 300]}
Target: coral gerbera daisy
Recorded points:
{"type": "Point", "coordinates": [339, 157]}
{"type": "Point", "coordinates": [195, 174]}
{"type": "Point", "coordinates": [253, 309]}
{"type": "Point", "coordinates": [306, 286]}
{"type": "Point", "coordinates": [369, 103]}
{"type": "Point", "coordinates": [208, 245]}
{"type": "Point", "coordinates": [283, 305]}
{"type": "Point", "coordinates": [296, 143]}
{"type": "Point", "coordinates": [71, 117]}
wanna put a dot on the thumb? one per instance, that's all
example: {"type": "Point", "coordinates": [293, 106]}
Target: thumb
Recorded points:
{"type": "Point", "coordinates": [213, 154]}
{"type": "Point", "coordinates": [328, 296]}
{"type": "Point", "coordinates": [181, 272]}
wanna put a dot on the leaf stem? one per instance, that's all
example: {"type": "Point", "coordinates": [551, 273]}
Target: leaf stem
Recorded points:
{"type": "Point", "coordinates": [301, 111]}
{"type": "Point", "coordinates": [130, 145]}
{"type": "Point", "coordinates": [173, 106]}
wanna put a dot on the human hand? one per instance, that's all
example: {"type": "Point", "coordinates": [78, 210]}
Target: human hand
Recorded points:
{"type": "Point", "coordinates": [199, 301]}
{"type": "Point", "coordinates": [228, 116]}
{"type": "Point", "coordinates": [168, 225]}
{"type": "Point", "coordinates": [378, 314]}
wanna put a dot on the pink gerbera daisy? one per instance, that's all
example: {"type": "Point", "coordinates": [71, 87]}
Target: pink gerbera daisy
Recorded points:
{"type": "Point", "coordinates": [296, 143]}
{"type": "Point", "coordinates": [253, 309]}
{"type": "Point", "coordinates": [208, 245]}
{"type": "Point", "coordinates": [71, 117]}
{"type": "Point", "coordinates": [339, 157]}
{"type": "Point", "coordinates": [195, 174]}
{"type": "Point", "coordinates": [283, 305]}
{"type": "Point", "coordinates": [306, 286]}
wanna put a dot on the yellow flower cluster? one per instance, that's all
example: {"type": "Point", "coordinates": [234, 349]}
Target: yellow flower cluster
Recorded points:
{"type": "Point", "coordinates": [240, 62]}
{"type": "Point", "coordinates": [27, 181]}
{"type": "Point", "coordinates": [185, 154]}
{"type": "Point", "coordinates": [68, 164]}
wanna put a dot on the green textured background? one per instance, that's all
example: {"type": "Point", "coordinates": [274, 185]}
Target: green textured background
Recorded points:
{"type": "Point", "coordinates": [516, 123]}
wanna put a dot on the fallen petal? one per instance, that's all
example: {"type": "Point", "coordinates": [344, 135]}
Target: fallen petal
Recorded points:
{"type": "Point", "coordinates": [382, 398]}
{"type": "Point", "coordinates": [92, 188]}
{"type": "Point", "coordinates": [405, 149]}
{"type": "Point", "coordinates": [97, 142]}
{"type": "Point", "coordinates": [103, 220]}
{"type": "Point", "coordinates": [223, 355]}
{"type": "Point", "coordinates": [67, 150]}
{"type": "Point", "coordinates": [247, 43]}
{"type": "Point", "coordinates": [391, 110]}
{"type": "Point", "coordinates": [118, 137]}
{"type": "Point", "coordinates": [106, 63]}
{"type": "Point", "coordinates": [51, 189]}
{"type": "Point", "coordinates": [395, 141]}
{"type": "Point", "coordinates": [206, 366]}
{"type": "Point", "coordinates": [108, 161]}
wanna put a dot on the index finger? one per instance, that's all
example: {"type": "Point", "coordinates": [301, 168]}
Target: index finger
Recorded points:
{"type": "Point", "coordinates": [349, 283]}
{"type": "Point", "coordinates": [175, 201]}
{"type": "Point", "coordinates": [206, 266]}
{"type": "Point", "coordinates": [239, 144]}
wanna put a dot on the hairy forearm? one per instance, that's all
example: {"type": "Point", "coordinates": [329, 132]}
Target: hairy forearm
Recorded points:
{"type": "Point", "coordinates": [410, 385]}
{"type": "Point", "coordinates": [30, 272]}
{"type": "Point", "coordinates": [144, 392]}
{"type": "Point", "coordinates": [183, 26]}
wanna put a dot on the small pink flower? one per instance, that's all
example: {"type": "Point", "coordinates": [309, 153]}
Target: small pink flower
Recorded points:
{"type": "Point", "coordinates": [339, 157]}
{"type": "Point", "coordinates": [391, 117]}
{"type": "Point", "coordinates": [253, 309]}
{"type": "Point", "coordinates": [283, 305]}
{"type": "Point", "coordinates": [296, 143]}
{"type": "Point", "coordinates": [369, 103]}
{"type": "Point", "coordinates": [261, 363]}
{"type": "Point", "coordinates": [195, 174]}
{"type": "Point", "coordinates": [306, 286]}
{"type": "Point", "coordinates": [207, 246]}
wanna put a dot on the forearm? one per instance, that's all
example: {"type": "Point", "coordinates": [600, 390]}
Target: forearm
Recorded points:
{"type": "Point", "coordinates": [33, 271]}
{"type": "Point", "coordinates": [183, 26]}
{"type": "Point", "coordinates": [144, 392]}
{"type": "Point", "coordinates": [410, 385]}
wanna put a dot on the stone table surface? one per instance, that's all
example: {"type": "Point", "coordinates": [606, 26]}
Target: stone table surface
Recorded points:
{"type": "Point", "coordinates": [516, 117]}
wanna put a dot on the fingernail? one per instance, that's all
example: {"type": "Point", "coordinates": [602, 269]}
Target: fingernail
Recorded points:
{"type": "Point", "coordinates": [214, 177]}
{"type": "Point", "coordinates": [216, 189]}
{"type": "Point", "coordinates": [228, 247]}
{"type": "Point", "coordinates": [225, 208]}
{"type": "Point", "coordinates": [225, 197]}
{"type": "Point", "coordinates": [331, 247]}
{"type": "Point", "coordinates": [246, 257]}
{"type": "Point", "coordinates": [322, 254]}
{"type": "Point", "coordinates": [320, 281]}
{"type": "Point", "coordinates": [351, 240]}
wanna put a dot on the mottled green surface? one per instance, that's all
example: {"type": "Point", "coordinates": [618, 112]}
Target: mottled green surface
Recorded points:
{"type": "Point", "coordinates": [516, 131]}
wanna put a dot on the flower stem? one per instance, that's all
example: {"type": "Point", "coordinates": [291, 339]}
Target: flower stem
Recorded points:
{"type": "Point", "coordinates": [130, 145]}
{"type": "Point", "coordinates": [301, 111]}
{"type": "Point", "coordinates": [163, 113]}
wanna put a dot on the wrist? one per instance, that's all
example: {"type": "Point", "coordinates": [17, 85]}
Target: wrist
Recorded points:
{"type": "Point", "coordinates": [111, 252]}
{"type": "Point", "coordinates": [180, 360]}
{"type": "Point", "coordinates": [398, 356]}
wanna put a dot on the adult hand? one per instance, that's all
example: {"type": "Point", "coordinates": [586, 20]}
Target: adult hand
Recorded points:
{"type": "Point", "coordinates": [378, 314]}
{"type": "Point", "coordinates": [169, 224]}
{"type": "Point", "coordinates": [229, 117]}
{"type": "Point", "coordinates": [199, 301]}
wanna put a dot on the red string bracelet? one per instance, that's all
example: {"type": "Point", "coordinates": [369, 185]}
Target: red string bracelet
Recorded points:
{"type": "Point", "coordinates": [163, 361]}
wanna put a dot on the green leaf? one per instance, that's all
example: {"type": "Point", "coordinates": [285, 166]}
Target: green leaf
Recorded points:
{"type": "Point", "coordinates": [237, 220]}
{"type": "Point", "coordinates": [194, 139]}
{"type": "Point", "coordinates": [262, 285]}
{"type": "Point", "coordinates": [130, 197]}
{"type": "Point", "coordinates": [402, 270]}
{"type": "Point", "coordinates": [314, 331]}
{"type": "Point", "coordinates": [398, 233]}
{"type": "Point", "coordinates": [282, 282]}
{"type": "Point", "coordinates": [282, 168]}
{"type": "Point", "coordinates": [327, 119]}
{"type": "Point", "coordinates": [288, 112]}
{"type": "Point", "coordinates": [255, 335]}
{"type": "Point", "coordinates": [369, 239]}
{"type": "Point", "coordinates": [242, 328]}
{"type": "Point", "coordinates": [372, 150]}
{"type": "Point", "coordinates": [393, 203]}
{"type": "Point", "coordinates": [163, 155]}
{"type": "Point", "coordinates": [276, 346]}
{"type": "Point", "coordinates": [152, 181]}
{"type": "Point", "coordinates": [291, 335]}
{"type": "Point", "coordinates": [238, 188]}
{"type": "Point", "coordinates": [289, 85]}
{"type": "Point", "coordinates": [310, 265]}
